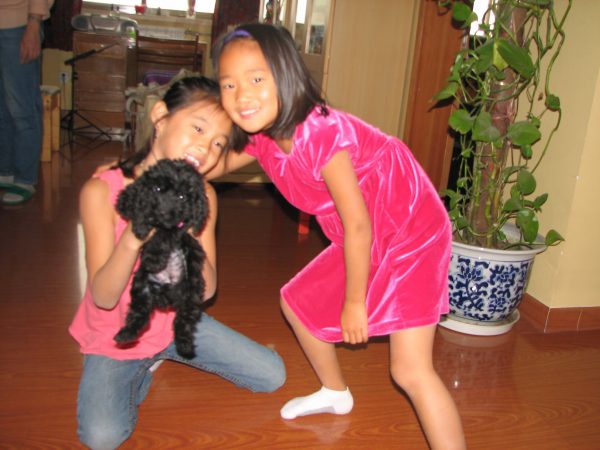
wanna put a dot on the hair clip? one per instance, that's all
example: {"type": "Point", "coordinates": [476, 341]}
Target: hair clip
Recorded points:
{"type": "Point", "coordinates": [240, 32]}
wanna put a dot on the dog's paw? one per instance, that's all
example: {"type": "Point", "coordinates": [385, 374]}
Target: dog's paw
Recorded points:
{"type": "Point", "coordinates": [185, 349]}
{"type": "Point", "coordinates": [125, 336]}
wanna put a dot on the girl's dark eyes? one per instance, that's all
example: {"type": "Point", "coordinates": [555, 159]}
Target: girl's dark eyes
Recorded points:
{"type": "Point", "coordinates": [198, 129]}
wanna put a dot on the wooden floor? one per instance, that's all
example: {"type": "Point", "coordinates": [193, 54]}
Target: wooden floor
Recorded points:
{"type": "Point", "coordinates": [523, 390]}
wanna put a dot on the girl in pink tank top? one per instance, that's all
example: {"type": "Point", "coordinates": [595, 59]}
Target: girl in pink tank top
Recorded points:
{"type": "Point", "coordinates": [190, 125]}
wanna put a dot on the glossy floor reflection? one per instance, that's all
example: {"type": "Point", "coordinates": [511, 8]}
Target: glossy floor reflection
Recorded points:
{"type": "Point", "coordinates": [523, 390]}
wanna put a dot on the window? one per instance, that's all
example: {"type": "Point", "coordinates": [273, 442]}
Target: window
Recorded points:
{"type": "Point", "coordinates": [480, 8]}
{"type": "Point", "coordinates": [201, 6]}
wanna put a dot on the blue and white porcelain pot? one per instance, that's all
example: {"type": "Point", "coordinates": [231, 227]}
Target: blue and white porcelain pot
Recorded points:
{"type": "Point", "coordinates": [487, 285]}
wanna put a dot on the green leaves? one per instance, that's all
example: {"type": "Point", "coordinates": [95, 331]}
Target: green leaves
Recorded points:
{"type": "Point", "coordinates": [526, 151]}
{"type": "Point", "coordinates": [449, 91]}
{"type": "Point", "coordinates": [525, 182]}
{"type": "Point", "coordinates": [481, 126]}
{"type": "Point", "coordinates": [528, 223]}
{"type": "Point", "coordinates": [461, 121]}
{"type": "Point", "coordinates": [483, 129]}
{"type": "Point", "coordinates": [540, 3]}
{"type": "Point", "coordinates": [501, 75]}
{"type": "Point", "coordinates": [553, 102]}
{"type": "Point", "coordinates": [512, 205]}
{"type": "Point", "coordinates": [553, 237]}
{"type": "Point", "coordinates": [523, 133]}
{"type": "Point", "coordinates": [485, 57]}
{"type": "Point", "coordinates": [539, 201]}
{"type": "Point", "coordinates": [516, 57]}
{"type": "Point", "coordinates": [463, 14]}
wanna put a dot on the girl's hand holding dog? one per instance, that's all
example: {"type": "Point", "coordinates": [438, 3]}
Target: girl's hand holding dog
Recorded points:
{"type": "Point", "coordinates": [110, 278]}
{"type": "Point", "coordinates": [131, 240]}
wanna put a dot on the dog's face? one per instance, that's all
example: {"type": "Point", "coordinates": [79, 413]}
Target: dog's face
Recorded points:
{"type": "Point", "coordinates": [169, 195]}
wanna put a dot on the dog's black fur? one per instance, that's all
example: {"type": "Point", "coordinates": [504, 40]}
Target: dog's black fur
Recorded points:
{"type": "Point", "coordinates": [170, 198]}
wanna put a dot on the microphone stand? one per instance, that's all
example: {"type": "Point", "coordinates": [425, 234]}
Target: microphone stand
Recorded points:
{"type": "Point", "coordinates": [89, 130]}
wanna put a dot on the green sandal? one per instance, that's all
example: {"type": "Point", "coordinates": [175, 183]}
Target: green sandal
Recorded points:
{"type": "Point", "coordinates": [17, 195]}
{"type": "Point", "coordinates": [4, 183]}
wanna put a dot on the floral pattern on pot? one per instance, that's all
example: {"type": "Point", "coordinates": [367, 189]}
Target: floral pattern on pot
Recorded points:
{"type": "Point", "coordinates": [486, 291]}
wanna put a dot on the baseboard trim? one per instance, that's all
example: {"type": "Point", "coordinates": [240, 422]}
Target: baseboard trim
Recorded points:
{"type": "Point", "coordinates": [553, 320]}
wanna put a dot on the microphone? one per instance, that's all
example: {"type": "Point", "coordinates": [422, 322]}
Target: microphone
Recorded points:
{"type": "Point", "coordinates": [87, 53]}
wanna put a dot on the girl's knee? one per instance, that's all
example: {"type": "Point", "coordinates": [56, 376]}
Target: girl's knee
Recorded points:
{"type": "Point", "coordinates": [284, 307]}
{"type": "Point", "coordinates": [410, 379]}
{"type": "Point", "coordinates": [275, 376]}
{"type": "Point", "coordinates": [103, 437]}
{"type": "Point", "coordinates": [102, 428]}
{"type": "Point", "coordinates": [287, 312]}
{"type": "Point", "coordinates": [279, 374]}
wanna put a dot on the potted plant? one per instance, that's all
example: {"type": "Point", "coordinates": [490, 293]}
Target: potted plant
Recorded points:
{"type": "Point", "coordinates": [500, 88]}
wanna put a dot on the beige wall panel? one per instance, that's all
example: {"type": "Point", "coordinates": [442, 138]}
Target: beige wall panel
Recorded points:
{"type": "Point", "coordinates": [567, 275]}
{"type": "Point", "coordinates": [369, 54]}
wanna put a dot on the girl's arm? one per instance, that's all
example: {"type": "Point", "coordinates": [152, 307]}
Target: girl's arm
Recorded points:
{"type": "Point", "coordinates": [342, 183]}
{"type": "Point", "coordinates": [207, 240]}
{"type": "Point", "coordinates": [232, 161]}
{"type": "Point", "coordinates": [108, 265]}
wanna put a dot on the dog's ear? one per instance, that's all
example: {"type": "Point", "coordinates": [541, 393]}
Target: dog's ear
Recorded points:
{"type": "Point", "coordinates": [199, 204]}
{"type": "Point", "coordinates": [141, 228]}
{"type": "Point", "coordinates": [200, 212]}
{"type": "Point", "coordinates": [131, 205]}
{"type": "Point", "coordinates": [126, 202]}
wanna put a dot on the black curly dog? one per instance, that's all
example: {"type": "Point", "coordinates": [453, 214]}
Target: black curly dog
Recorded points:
{"type": "Point", "coordinates": [170, 198]}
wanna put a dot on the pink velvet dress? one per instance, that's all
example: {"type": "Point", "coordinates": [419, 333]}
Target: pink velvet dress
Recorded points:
{"type": "Point", "coordinates": [408, 281]}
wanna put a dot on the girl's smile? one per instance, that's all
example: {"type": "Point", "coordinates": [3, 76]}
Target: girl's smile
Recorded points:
{"type": "Point", "coordinates": [197, 134]}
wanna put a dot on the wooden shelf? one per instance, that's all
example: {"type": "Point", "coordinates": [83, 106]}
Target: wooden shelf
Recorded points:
{"type": "Point", "coordinates": [102, 77]}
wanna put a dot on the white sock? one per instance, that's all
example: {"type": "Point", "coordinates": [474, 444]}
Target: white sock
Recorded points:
{"type": "Point", "coordinates": [323, 401]}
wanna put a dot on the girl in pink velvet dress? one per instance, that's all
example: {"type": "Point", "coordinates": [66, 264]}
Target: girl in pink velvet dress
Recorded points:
{"type": "Point", "coordinates": [385, 272]}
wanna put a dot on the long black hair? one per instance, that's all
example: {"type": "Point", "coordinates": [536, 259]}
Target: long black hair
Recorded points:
{"type": "Point", "coordinates": [180, 95]}
{"type": "Point", "coordinates": [297, 92]}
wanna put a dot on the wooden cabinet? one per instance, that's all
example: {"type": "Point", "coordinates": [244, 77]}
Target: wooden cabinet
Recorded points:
{"type": "Point", "coordinates": [170, 55]}
{"type": "Point", "coordinates": [102, 77]}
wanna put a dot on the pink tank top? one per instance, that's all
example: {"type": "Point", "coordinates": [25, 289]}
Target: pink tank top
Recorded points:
{"type": "Point", "coordinates": [94, 328]}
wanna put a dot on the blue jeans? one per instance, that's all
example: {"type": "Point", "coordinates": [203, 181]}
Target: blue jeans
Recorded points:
{"type": "Point", "coordinates": [21, 119]}
{"type": "Point", "coordinates": [111, 390]}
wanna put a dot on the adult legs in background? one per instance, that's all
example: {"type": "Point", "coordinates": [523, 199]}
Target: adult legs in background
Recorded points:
{"type": "Point", "coordinates": [21, 121]}
{"type": "Point", "coordinates": [412, 369]}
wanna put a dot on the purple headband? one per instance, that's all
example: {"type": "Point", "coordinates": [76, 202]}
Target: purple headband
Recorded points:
{"type": "Point", "coordinates": [240, 32]}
